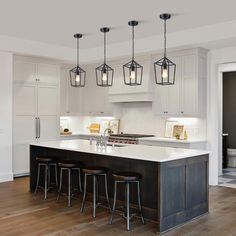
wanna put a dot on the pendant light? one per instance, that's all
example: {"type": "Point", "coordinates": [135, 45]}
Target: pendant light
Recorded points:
{"type": "Point", "coordinates": [133, 72]}
{"type": "Point", "coordinates": [164, 68]}
{"type": "Point", "coordinates": [104, 73]}
{"type": "Point", "coordinates": [77, 74]}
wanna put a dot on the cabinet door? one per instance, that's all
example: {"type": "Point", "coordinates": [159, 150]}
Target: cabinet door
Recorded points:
{"type": "Point", "coordinates": [189, 85]}
{"type": "Point", "coordinates": [173, 106]}
{"type": "Point", "coordinates": [64, 93]}
{"type": "Point", "coordinates": [75, 100]}
{"type": "Point", "coordinates": [48, 100]}
{"type": "Point", "coordinates": [48, 74]}
{"type": "Point", "coordinates": [160, 100]}
{"type": "Point", "coordinates": [49, 127]}
{"type": "Point", "coordinates": [25, 99]}
{"type": "Point", "coordinates": [24, 72]}
{"type": "Point", "coordinates": [24, 132]}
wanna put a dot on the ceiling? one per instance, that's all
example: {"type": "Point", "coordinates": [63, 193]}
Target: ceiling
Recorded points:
{"type": "Point", "coordinates": [55, 21]}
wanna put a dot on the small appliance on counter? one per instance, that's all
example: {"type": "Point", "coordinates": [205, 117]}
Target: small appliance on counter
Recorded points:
{"type": "Point", "coordinates": [127, 138]}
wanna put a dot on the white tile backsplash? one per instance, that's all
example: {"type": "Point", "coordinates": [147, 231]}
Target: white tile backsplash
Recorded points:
{"type": "Point", "coordinates": [138, 118]}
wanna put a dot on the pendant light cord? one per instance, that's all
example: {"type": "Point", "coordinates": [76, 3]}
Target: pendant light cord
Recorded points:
{"type": "Point", "coordinates": [77, 52]}
{"type": "Point", "coordinates": [104, 47]}
{"type": "Point", "coordinates": [132, 42]}
{"type": "Point", "coordinates": [164, 38]}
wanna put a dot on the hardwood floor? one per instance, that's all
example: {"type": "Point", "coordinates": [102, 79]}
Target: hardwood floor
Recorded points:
{"type": "Point", "coordinates": [22, 213]}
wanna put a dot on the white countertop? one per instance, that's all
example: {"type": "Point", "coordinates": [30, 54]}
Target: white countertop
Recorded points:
{"type": "Point", "coordinates": [172, 140]}
{"type": "Point", "coordinates": [138, 152]}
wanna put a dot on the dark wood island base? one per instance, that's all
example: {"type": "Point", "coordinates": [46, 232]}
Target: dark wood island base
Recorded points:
{"type": "Point", "coordinates": [172, 192]}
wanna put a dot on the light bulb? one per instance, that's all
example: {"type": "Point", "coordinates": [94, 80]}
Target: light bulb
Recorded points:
{"type": "Point", "coordinates": [165, 74]}
{"type": "Point", "coordinates": [104, 76]}
{"type": "Point", "coordinates": [77, 78]}
{"type": "Point", "coordinates": [132, 75]}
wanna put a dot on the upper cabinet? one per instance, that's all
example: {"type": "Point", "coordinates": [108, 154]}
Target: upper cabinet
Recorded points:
{"type": "Point", "coordinates": [120, 92]}
{"type": "Point", "coordinates": [30, 72]}
{"type": "Point", "coordinates": [90, 100]}
{"type": "Point", "coordinates": [187, 97]}
{"type": "Point", "coordinates": [95, 99]}
{"type": "Point", "coordinates": [71, 97]}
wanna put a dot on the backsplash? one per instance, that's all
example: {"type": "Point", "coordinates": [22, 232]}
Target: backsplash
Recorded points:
{"type": "Point", "coordinates": [138, 118]}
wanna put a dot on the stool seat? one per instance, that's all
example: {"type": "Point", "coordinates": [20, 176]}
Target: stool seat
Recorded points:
{"type": "Point", "coordinates": [69, 164]}
{"type": "Point", "coordinates": [126, 176]}
{"type": "Point", "coordinates": [45, 159]}
{"type": "Point", "coordinates": [95, 170]}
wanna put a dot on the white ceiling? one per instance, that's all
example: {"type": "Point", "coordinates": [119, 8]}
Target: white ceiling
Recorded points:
{"type": "Point", "coordinates": [55, 21]}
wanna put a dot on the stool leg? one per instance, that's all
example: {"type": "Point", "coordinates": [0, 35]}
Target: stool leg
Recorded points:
{"type": "Point", "coordinates": [84, 197]}
{"type": "Point", "coordinates": [139, 203]}
{"type": "Point", "coordinates": [49, 175]}
{"type": "Point", "coordinates": [60, 186]}
{"type": "Point", "coordinates": [106, 190]}
{"type": "Point", "coordinates": [114, 203]}
{"type": "Point", "coordinates": [80, 187]}
{"type": "Point", "coordinates": [94, 196]}
{"type": "Point", "coordinates": [69, 187]}
{"type": "Point", "coordinates": [127, 206]}
{"type": "Point", "coordinates": [46, 182]}
{"type": "Point", "coordinates": [37, 183]}
{"type": "Point", "coordinates": [56, 176]}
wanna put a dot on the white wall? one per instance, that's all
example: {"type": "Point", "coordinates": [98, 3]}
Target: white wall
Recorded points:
{"type": "Point", "coordinates": [6, 62]}
{"type": "Point", "coordinates": [216, 58]}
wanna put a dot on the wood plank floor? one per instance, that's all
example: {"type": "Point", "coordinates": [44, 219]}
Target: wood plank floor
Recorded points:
{"type": "Point", "coordinates": [22, 213]}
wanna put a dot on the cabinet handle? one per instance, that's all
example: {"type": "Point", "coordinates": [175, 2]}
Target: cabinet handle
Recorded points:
{"type": "Point", "coordinates": [182, 112]}
{"type": "Point", "coordinates": [39, 127]}
{"type": "Point", "coordinates": [36, 127]}
{"type": "Point", "coordinates": [101, 112]}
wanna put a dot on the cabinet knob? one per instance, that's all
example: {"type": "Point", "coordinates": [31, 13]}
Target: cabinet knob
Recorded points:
{"type": "Point", "coordinates": [182, 112]}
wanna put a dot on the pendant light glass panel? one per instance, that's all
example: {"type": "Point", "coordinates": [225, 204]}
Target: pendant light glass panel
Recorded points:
{"type": "Point", "coordinates": [77, 74]}
{"type": "Point", "coordinates": [164, 68]}
{"type": "Point", "coordinates": [133, 71]}
{"type": "Point", "coordinates": [104, 73]}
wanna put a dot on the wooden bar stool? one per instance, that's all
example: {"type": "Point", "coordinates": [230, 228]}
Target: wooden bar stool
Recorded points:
{"type": "Point", "coordinates": [95, 172]}
{"type": "Point", "coordinates": [69, 166]}
{"type": "Point", "coordinates": [47, 163]}
{"type": "Point", "coordinates": [127, 178]}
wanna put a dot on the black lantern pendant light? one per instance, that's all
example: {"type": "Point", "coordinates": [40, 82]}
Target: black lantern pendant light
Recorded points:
{"type": "Point", "coordinates": [133, 72]}
{"type": "Point", "coordinates": [104, 73]}
{"type": "Point", "coordinates": [77, 74]}
{"type": "Point", "coordinates": [165, 68]}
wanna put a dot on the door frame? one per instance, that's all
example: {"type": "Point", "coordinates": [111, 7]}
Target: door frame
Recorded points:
{"type": "Point", "coordinates": [229, 67]}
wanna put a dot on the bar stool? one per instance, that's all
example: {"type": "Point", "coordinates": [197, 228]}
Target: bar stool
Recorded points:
{"type": "Point", "coordinates": [47, 163]}
{"type": "Point", "coordinates": [127, 178]}
{"type": "Point", "coordinates": [95, 172]}
{"type": "Point", "coordinates": [69, 166]}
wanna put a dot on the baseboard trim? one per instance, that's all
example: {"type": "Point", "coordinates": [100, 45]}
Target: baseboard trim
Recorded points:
{"type": "Point", "coordinates": [6, 177]}
{"type": "Point", "coordinates": [21, 174]}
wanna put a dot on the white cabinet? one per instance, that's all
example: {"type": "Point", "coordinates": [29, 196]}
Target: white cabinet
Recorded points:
{"type": "Point", "coordinates": [90, 100]}
{"type": "Point", "coordinates": [187, 96]}
{"type": "Point", "coordinates": [95, 99]}
{"type": "Point", "coordinates": [36, 109]}
{"type": "Point", "coordinates": [120, 92]}
{"type": "Point", "coordinates": [71, 97]}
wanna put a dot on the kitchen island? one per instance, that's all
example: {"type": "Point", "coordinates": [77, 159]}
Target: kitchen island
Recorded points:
{"type": "Point", "coordinates": [174, 184]}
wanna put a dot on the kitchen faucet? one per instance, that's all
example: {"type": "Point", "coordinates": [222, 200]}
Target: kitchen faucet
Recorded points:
{"type": "Point", "coordinates": [107, 130]}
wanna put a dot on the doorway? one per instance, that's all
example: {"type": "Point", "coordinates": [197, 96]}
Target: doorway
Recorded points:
{"type": "Point", "coordinates": [228, 119]}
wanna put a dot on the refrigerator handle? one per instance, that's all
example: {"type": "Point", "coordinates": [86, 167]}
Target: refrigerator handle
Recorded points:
{"type": "Point", "coordinates": [38, 127]}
